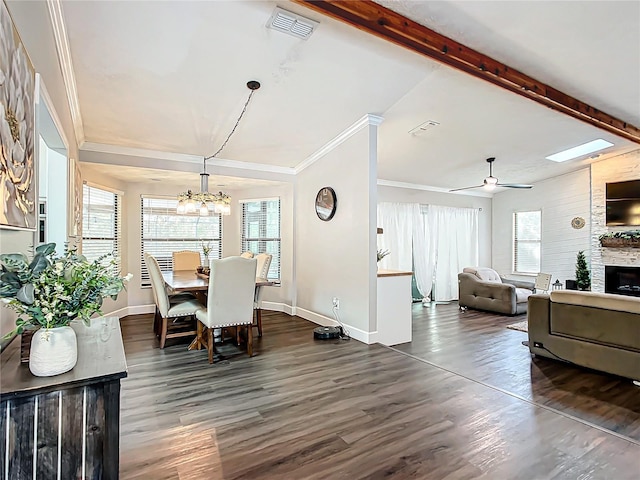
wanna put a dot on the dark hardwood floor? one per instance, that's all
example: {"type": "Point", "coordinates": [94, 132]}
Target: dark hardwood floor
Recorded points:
{"type": "Point", "coordinates": [305, 409]}
{"type": "Point", "coordinates": [478, 345]}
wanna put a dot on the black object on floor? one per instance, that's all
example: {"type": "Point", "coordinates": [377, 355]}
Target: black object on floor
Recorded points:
{"type": "Point", "coordinates": [327, 333]}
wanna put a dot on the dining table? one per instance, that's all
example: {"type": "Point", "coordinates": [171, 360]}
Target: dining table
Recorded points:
{"type": "Point", "coordinates": [198, 284]}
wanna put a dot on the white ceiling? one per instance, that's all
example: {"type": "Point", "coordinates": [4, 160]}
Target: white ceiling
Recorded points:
{"type": "Point", "coordinates": [171, 76]}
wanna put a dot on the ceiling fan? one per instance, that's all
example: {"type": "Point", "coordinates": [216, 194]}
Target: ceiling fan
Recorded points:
{"type": "Point", "coordinates": [491, 182]}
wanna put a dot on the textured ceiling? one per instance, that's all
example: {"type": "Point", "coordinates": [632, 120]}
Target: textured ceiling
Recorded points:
{"type": "Point", "coordinates": [171, 76]}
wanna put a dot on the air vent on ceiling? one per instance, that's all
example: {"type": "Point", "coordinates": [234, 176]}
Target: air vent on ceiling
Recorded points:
{"type": "Point", "coordinates": [291, 23]}
{"type": "Point", "coordinates": [423, 127]}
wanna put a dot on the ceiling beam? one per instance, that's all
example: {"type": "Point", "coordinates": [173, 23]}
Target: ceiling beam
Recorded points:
{"type": "Point", "coordinates": [389, 25]}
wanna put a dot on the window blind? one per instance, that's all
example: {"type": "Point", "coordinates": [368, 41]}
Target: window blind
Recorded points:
{"type": "Point", "coordinates": [261, 231]}
{"type": "Point", "coordinates": [101, 223]}
{"type": "Point", "coordinates": [163, 232]}
{"type": "Point", "coordinates": [527, 240]}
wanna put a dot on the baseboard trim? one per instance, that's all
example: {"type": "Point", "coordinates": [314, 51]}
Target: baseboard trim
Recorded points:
{"type": "Point", "coordinates": [278, 307]}
{"type": "Point", "coordinates": [355, 333]}
{"type": "Point", "coordinates": [132, 310]}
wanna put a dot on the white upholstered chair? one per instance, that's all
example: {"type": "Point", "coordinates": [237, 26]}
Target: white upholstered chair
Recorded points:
{"type": "Point", "coordinates": [246, 254]}
{"type": "Point", "coordinates": [169, 307]}
{"type": "Point", "coordinates": [230, 300]}
{"type": "Point", "coordinates": [186, 260]}
{"type": "Point", "coordinates": [262, 271]}
{"type": "Point", "coordinates": [264, 262]}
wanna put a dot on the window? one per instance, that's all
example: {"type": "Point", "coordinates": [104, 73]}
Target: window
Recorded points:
{"type": "Point", "coordinates": [526, 242]}
{"type": "Point", "coordinates": [164, 232]}
{"type": "Point", "coordinates": [100, 223]}
{"type": "Point", "coordinates": [261, 230]}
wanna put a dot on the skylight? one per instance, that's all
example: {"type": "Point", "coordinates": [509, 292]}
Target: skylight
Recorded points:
{"type": "Point", "coordinates": [580, 150]}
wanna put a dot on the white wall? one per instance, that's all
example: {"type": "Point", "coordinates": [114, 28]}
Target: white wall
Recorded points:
{"type": "Point", "coordinates": [337, 258]}
{"type": "Point", "coordinates": [409, 195]}
{"type": "Point", "coordinates": [33, 25]}
{"type": "Point", "coordinates": [57, 183]}
{"type": "Point", "coordinates": [560, 199]}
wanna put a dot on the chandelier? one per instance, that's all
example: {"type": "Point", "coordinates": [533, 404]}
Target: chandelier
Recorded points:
{"type": "Point", "coordinates": [203, 202]}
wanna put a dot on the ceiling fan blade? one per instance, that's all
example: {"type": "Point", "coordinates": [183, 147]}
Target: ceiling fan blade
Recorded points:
{"type": "Point", "coordinates": [514, 185]}
{"type": "Point", "coordinates": [466, 188]}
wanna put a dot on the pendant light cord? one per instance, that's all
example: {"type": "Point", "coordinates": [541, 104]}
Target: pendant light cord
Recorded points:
{"type": "Point", "coordinates": [244, 109]}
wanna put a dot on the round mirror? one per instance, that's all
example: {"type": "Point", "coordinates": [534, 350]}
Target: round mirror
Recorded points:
{"type": "Point", "coordinates": [326, 203]}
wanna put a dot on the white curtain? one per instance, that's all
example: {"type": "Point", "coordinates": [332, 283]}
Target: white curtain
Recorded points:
{"type": "Point", "coordinates": [396, 220]}
{"type": "Point", "coordinates": [424, 254]}
{"type": "Point", "coordinates": [435, 242]}
{"type": "Point", "coordinates": [453, 232]}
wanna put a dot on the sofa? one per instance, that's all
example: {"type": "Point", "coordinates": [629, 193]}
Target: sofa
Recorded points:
{"type": "Point", "coordinates": [595, 330]}
{"type": "Point", "coordinates": [484, 289]}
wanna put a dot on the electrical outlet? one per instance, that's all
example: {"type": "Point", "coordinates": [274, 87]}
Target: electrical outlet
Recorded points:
{"type": "Point", "coordinates": [336, 303]}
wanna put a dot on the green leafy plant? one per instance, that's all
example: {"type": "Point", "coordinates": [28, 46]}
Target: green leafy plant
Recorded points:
{"type": "Point", "coordinates": [583, 277]}
{"type": "Point", "coordinates": [51, 291]}
{"type": "Point", "coordinates": [206, 249]}
{"type": "Point", "coordinates": [627, 235]}
{"type": "Point", "coordinates": [381, 254]}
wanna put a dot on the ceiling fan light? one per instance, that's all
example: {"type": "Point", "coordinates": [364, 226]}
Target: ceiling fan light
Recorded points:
{"type": "Point", "coordinates": [490, 183]}
{"type": "Point", "coordinates": [190, 207]}
{"type": "Point", "coordinates": [181, 207]}
{"type": "Point", "coordinates": [204, 210]}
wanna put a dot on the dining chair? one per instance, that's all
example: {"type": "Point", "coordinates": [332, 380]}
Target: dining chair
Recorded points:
{"type": "Point", "coordinates": [174, 297]}
{"type": "Point", "coordinates": [246, 254]}
{"type": "Point", "coordinates": [229, 300]}
{"type": "Point", "coordinates": [169, 307]}
{"type": "Point", "coordinates": [186, 260]}
{"type": "Point", "coordinates": [262, 271]}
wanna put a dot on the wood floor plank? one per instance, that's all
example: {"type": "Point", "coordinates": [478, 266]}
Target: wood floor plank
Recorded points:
{"type": "Point", "coordinates": [305, 409]}
{"type": "Point", "coordinates": [477, 345]}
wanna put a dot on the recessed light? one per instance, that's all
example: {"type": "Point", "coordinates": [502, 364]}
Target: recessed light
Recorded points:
{"type": "Point", "coordinates": [580, 150]}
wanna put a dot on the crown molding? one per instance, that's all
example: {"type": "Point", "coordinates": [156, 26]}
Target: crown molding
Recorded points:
{"type": "Point", "coordinates": [66, 66]}
{"type": "Point", "coordinates": [429, 188]}
{"type": "Point", "coordinates": [367, 119]}
{"type": "Point", "coordinates": [182, 158]}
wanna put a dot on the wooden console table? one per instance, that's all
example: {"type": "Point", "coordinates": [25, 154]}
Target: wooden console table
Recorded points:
{"type": "Point", "coordinates": [66, 426]}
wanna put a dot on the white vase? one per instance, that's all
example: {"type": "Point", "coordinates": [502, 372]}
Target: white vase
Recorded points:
{"type": "Point", "coordinates": [53, 351]}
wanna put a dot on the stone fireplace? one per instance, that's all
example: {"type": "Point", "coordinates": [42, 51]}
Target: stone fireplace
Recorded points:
{"type": "Point", "coordinates": [622, 280]}
{"type": "Point", "coordinates": [616, 169]}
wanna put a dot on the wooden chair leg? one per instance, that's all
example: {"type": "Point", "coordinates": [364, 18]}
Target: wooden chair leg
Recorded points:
{"type": "Point", "coordinates": [237, 335]}
{"type": "Point", "coordinates": [250, 340]}
{"type": "Point", "coordinates": [210, 345]}
{"type": "Point", "coordinates": [259, 320]}
{"type": "Point", "coordinates": [198, 341]}
{"type": "Point", "coordinates": [163, 332]}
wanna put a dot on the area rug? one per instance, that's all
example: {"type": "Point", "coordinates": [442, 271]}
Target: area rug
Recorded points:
{"type": "Point", "coordinates": [521, 326]}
